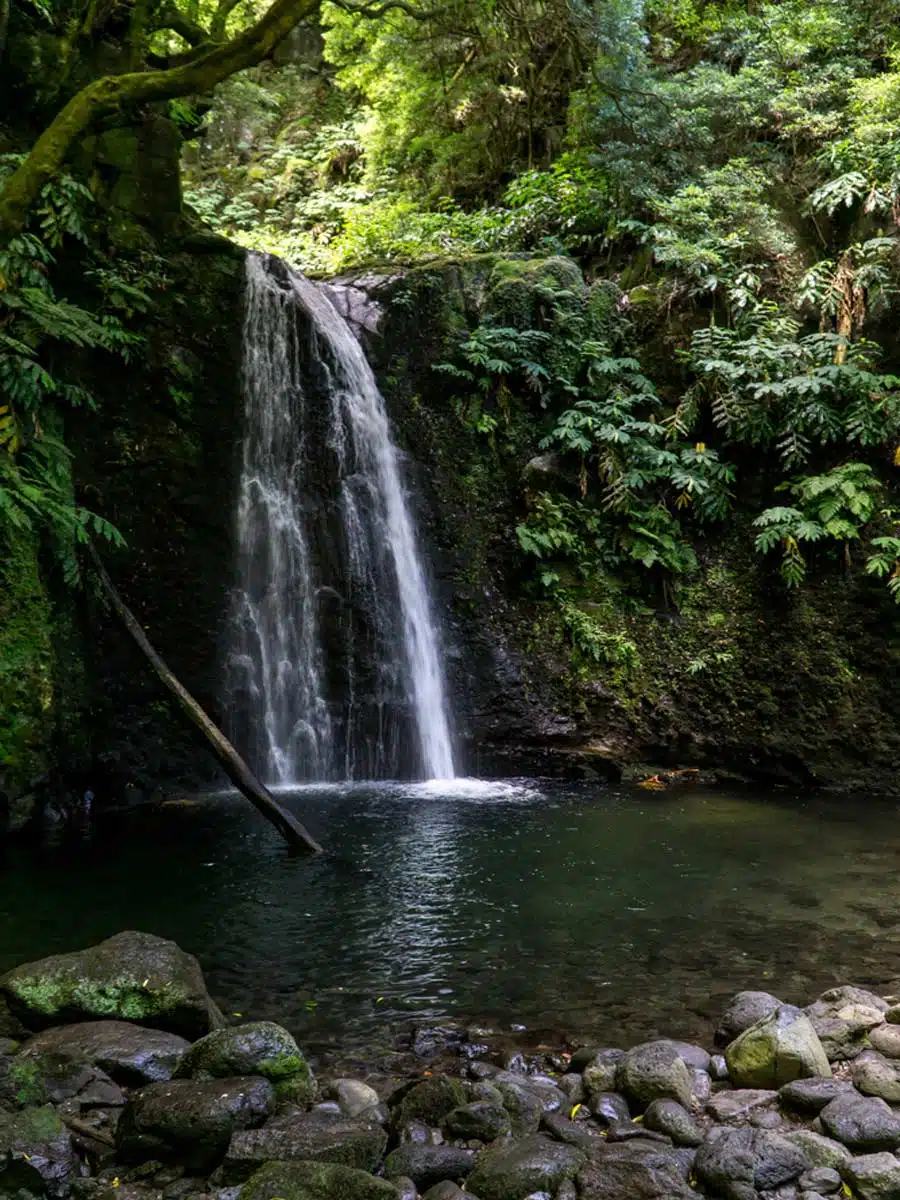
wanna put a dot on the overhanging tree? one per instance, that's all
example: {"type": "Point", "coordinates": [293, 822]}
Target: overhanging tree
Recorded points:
{"type": "Point", "coordinates": [209, 60]}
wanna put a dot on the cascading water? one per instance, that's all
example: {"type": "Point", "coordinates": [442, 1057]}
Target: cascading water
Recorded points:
{"type": "Point", "coordinates": [333, 669]}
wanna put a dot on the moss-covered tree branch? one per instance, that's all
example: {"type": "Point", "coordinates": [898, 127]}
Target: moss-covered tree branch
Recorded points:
{"type": "Point", "coordinates": [108, 95]}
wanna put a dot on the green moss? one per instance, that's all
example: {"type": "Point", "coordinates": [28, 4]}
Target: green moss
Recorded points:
{"type": "Point", "coordinates": [27, 1083]}
{"type": "Point", "coordinates": [283, 1066]}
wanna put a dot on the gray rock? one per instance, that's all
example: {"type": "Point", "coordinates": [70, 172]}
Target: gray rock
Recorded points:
{"type": "Point", "coordinates": [653, 1176]}
{"type": "Point", "coordinates": [744, 1010]}
{"type": "Point", "coordinates": [820, 1179]}
{"type": "Point", "coordinates": [600, 1074]}
{"type": "Point", "coordinates": [672, 1119]}
{"type": "Point", "coordinates": [875, 1075]}
{"type": "Point", "coordinates": [843, 1017]}
{"type": "Point", "coordinates": [861, 1123]}
{"type": "Point", "coordinates": [718, 1067]}
{"type": "Point", "coordinates": [129, 977]}
{"type": "Point", "coordinates": [582, 1058]}
{"type": "Point", "coordinates": [776, 1050]}
{"type": "Point", "coordinates": [514, 1170]}
{"type": "Point", "coordinates": [524, 1108]}
{"type": "Point", "coordinates": [701, 1085]}
{"type": "Point", "coordinates": [873, 1177]}
{"type": "Point", "coordinates": [406, 1189]}
{"type": "Point", "coordinates": [572, 1087]}
{"type": "Point", "coordinates": [353, 1096]}
{"type": "Point", "coordinates": [36, 1155]}
{"type": "Point", "coordinates": [754, 1158]}
{"type": "Point", "coordinates": [418, 1131]}
{"type": "Point", "coordinates": [811, 1095]}
{"type": "Point", "coordinates": [480, 1121]}
{"type": "Point", "coordinates": [427, 1165]}
{"type": "Point", "coordinates": [314, 1137]}
{"type": "Point", "coordinates": [820, 1151]}
{"type": "Point", "coordinates": [608, 1108]}
{"type": "Point", "coordinates": [654, 1071]}
{"type": "Point", "coordinates": [447, 1190]}
{"type": "Point", "coordinates": [191, 1120]}
{"type": "Point", "coordinates": [571, 1133]}
{"type": "Point", "coordinates": [314, 1181]}
{"type": "Point", "coordinates": [127, 1053]}
{"type": "Point", "coordinates": [736, 1105]}
{"type": "Point", "coordinates": [692, 1056]}
{"type": "Point", "coordinates": [886, 1039]}
{"type": "Point", "coordinates": [257, 1048]}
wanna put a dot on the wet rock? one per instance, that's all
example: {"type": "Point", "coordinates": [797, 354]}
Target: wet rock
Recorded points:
{"type": "Point", "coordinates": [609, 1108]}
{"type": "Point", "coordinates": [430, 1101]}
{"type": "Point", "coordinates": [582, 1058]}
{"type": "Point", "coordinates": [447, 1190]}
{"type": "Point", "coordinates": [701, 1085]}
{"type": "Point", "coordinates": [514, 1170]}
{"type": "Point", "coordinates": [257, 1048]}
{"type": "Point", "coordinates": [129, 977]}
{"type": "Point", "coordinates": [655, 1176]}
{"type": "Point", "coordinates": [572, 1087]}
{"type": "Point", "coordinates": [672, 1119]}
{"type": "Point", "coordinates": [820, 1151]}
{"type": "Point", "coordinates": [429, 1042]}
{"type": "Point", "coordinates": [654, 1071]}
{"type": "Point", "coordinates": [406, 1189]}
{"type": "Point", "coordinates": [418, 1131]}
{"type": "Point", "coordinates": [36, 1154]}
{"type": "Point", "coordinates": [873, 1177]}
{"type": "Point", "coordinates": [718, 1067]}
{"type": "Point", "coordinates": [744, 1010]}
{"type": "Point", "coordinates": [820, 1179]}
{"type": "Point", "coordinates": [191, 1120]}
{"type": "Point", "coordinates": [776, 1050]}
{"type": "Point", "coordinates": [754, 1158]}
{"type": "Point", "coordinates": [316, 1137]}
{"type": "Point", "coordinates": [569, 1132]}
{"type": "Point", "coordinates": [600, 1074]}
{"type": "Point", "coordinates": [480, 1121]}
{"type": "Point", "coordinates": [875, 1075]}
{"type": "Point", "coordinates": [843, 1017]}
{"type": "Point", "coordinates": [629, 1131]}
{"type": "Point", "coordinates": [735, 1106]}
{"type": "Point", "coordinates": [128, 1053]}
{"type": "Point", "coordinates": [314, 1181]}
{"type": "Point", "coordinates": [692, 1056]}
{"type": "Point", "coordinates": [861, 1123]}
{"type": "Point", "coordinates": [427, 1165]}
{"type": "Point", "coordinates": [545, 1091]}
{"type": "Point", "coordinates": [524, 1108]}
{"type": "Point", "coordinates": [353, 1096]}
{"type": "Point", "coordinates": [811, 1095]}
{"type": "Point", "coordinates": [886, 1039]}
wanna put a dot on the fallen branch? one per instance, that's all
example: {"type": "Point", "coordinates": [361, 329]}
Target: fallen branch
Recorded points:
{"type": "Point", "coordinates": [296, 836]}
{"type": "Point", "coordinates": [89, 1131]}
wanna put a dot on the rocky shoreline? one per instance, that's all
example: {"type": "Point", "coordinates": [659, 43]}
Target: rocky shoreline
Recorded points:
{"type": "Point", "coordinates": [121, 1080]}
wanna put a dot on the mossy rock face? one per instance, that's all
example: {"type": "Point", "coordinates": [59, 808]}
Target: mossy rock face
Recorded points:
{"type": "Point", "coordinates": [35, 1153]}
{"type": "Point", "coordinates": [315, 1181]}
{"type": "Point", "coordinates": [512, 1171]}
{"type": "Point", "coordinates": [430, 1101]}
{"type": "Point", "coordinates": [130, 977]}
{"type": "Point", "coordinates": [257, 1048]}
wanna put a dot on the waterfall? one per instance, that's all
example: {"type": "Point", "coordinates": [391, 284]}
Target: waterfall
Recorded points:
{"type": "Point", "coordinates": [333, 667]}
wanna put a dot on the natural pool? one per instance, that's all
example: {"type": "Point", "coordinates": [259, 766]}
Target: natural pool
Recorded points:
{"type": "Point", "coordinates": [573, 910]}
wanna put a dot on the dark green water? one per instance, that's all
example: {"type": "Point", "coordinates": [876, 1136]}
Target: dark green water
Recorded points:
{"type": "Point", "coordinates": [568, 909]}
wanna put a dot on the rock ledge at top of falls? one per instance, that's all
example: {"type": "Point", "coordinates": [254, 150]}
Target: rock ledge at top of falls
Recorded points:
{"type": "Point", "coordinates": [130, 977]}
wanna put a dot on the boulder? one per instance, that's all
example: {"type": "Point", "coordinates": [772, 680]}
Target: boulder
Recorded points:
{"type": "Point", "coordinates": [257, 1048]}
{"type": "Point", "coordinates": [524, 1108]}
{"type": "Point", "coordinates": [447, 1190]}
{"type": "Point", "coordinates": [744, 1010]}
{"type": "Point", "coordinates": [609, 1108]}
{"type": "Point", "coordinates": [811, 1095]}
{"type": "Point", "coordinates": [873, 1176]}
{"type": "Point", "coordinates": [429, 1101]}
{"type": "Point", "coordinates": [572, 1133]}
{"type": "Point", "coordinates": [36, 1155]}
{"type": "Point", "coordinates": [843, 1017]}
{"type": "Point", "coordinates": [480, 1121]}
{"type": "Point", "coordinates": [755, 1158]}
{"type": "Point", "coordinates": [737, 1106]}
{"type": "Point", "coordinates": [861, 1123]}
{"type": "Point", "coordinates": [427, 1165]}
{"type": "Point", "coordinates": [600, 1073]}
{"type": "Point", "coordinates": [654, 1176]}
{"type": "Point", "coordinates": [129, 977]}
{"type": "Point", "coordinates": [513, 1170]}
{"type": "Point", "coordinates": [314, 1181]}
{"type": "Point", "coordinates": [312, 1137]}
{"type": "Point", "coordinates": [776, 1050]}
{"type": "Point", "coordinates": [353, 1096]}
{"type": "Point", "coordinates": [672, 1119]}
{"type": "Point", "coordinates": [820, 1179]}
{"type": "Point", "coordinates": [191, 1120]}
{"type": "Point", "coordinates": [129, 1054]}
{"type": "Point", "coordinates": [875, 1075]}
{"type": "Point", "coordinates": [820, 1151]}
{"type": "Point", "coordinates": [886, 1039]}
{"type": "Point", "coordinates": [654, 1071]}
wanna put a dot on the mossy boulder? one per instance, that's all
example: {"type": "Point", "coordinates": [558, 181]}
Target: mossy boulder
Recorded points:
{"type": "Point", "coordinates": [257, 1048]}
{"type": "Point", "coordinates": [130, 977]}
{"type": "Point", "coordinates": [36, 1155]}
{"type": "Point", "coordinates": [314, 1181]}
{"type": "Point", "coordinates": [190, 1120]}
{"type": "Point", "coordinates": [514, 1170]}
{"type": "Point", "coordinates": [777, 1050]}
{"type": "Point", "coordinates": [429, 1101]}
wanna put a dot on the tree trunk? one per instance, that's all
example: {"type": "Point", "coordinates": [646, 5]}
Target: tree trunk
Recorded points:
{"type": "Point", "coordinates": [106, 96]}
{"type": "Point", "coordinates": [296, 836]}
